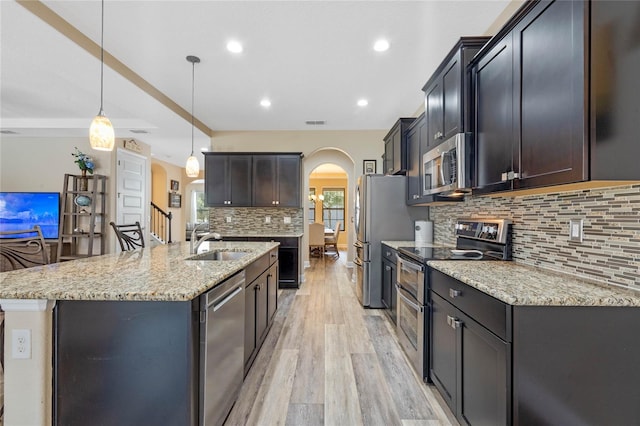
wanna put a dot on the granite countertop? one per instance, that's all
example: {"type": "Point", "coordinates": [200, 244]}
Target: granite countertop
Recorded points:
{"type": "Point", "coordinates": [522, 285]}
{"type": "Point", "coordinates": [258, 233]}
{"type": "Point", "coordinates": [159, 273]}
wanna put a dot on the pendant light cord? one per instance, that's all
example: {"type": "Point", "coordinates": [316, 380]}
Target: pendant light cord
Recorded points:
{"type": "Point", "coordinates": [102, 60]}
{"type": "Point", "coordinates": [193, 79]}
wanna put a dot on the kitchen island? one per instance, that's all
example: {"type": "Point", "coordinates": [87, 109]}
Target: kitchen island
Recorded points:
{"type": "Point", "coordinates": [155, 292]}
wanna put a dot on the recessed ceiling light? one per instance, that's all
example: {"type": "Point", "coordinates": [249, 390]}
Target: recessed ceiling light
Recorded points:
{"type": "Point", "coordinates": [363, 103]}
{"type": "Point", "coordinates": [234, 46]}
{"type": "Point", "coordinates": [265, 103]}
{"type": "Point", "coordinates": [381, 45]}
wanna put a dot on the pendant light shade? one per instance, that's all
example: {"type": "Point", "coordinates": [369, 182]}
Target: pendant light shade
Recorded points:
{"type": "Point", "coordinates": [101, 134]}
{"type": "Point", "coordinates": [193, 166]}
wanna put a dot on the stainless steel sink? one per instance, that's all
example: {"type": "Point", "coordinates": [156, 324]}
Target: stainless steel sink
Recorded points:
{"type": "Point", "coordinates": [220, 255]}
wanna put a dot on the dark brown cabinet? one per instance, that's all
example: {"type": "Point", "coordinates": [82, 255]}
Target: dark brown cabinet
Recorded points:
{"type": "Point", "coordinates": [447, 92]}
{"type": "Point", "coordinates": [227, 180]}
{"type": "Point", "coordinates": [470, 352]}
{"type": "Point", "coordinates": [261, 303]}
{"type": "Point", "coordinates": [276, 180]}
{"type": "Point", "coordinates": [395, 148]}
{"type": "Point", "coordinates": [415, 133]}
{"type": "Point", "coordinates": [389, 295]}
{"type": "Point", "coordinates": [548, 90]}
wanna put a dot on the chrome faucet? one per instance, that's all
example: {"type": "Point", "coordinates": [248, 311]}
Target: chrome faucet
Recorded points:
{"type": "Point", "coordinates": [193, 248]}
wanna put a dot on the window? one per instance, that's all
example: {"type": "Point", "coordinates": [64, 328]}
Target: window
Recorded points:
{"type": "Point", "coordinates": [312, 205]}
{"type": "Point", "coordinates": [200, 211]}
{"type": "Point", "coordinates": [333, 207]}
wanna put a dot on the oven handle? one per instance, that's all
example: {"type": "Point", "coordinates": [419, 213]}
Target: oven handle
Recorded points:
{"type": "Point", "coordinates": [409, 266]}
{"type": "Point", "coordinates": [409, 301]}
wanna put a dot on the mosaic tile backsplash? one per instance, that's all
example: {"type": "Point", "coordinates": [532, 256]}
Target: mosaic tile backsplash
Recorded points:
{"type": "Point", "coordinates": [252, 219]}
{"type": "Point", "coordinates": [609, 251]}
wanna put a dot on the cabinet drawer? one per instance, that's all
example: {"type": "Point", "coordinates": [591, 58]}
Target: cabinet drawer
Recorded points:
{"type": "Point", "coordinates": [388, 253]}
{"type": "Point", "coordinates": [254, 270]}
{"type": "Point", "coordinates": [488, 311]}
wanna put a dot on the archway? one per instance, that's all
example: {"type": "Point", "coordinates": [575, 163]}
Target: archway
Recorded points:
{"type": "Point", "coordinates": [343, 160]}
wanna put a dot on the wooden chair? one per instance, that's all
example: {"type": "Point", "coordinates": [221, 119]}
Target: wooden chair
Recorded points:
{"type": "Point", "coordinates": [316, 238]}
{"type": "Point", "coordinates": [27, 250]}
{"type": "Point", "coordinates": [129, 236]}
{"type": "Point", "coordinates": [332, 241]}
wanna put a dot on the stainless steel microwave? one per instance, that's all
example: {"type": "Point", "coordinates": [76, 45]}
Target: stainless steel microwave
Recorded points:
{"type": "Point", "coordinates": [446, 168]}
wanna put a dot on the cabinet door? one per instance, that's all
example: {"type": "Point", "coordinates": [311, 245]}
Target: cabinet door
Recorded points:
{"type": "Point", "coordinates": [288, 181]}
{"type": "Point", "coordinates": [288, 259]}
{"type": "Point", "coordinates": [484, 378]}
{"type": "Point", "coordinates": [239, 182]}
{"type": "Point", "coordinates": [451, 98]}
{"type": "Point", "coordinates": [249, 321]}
{"type": "Point", "coordinates": [264, 178]}
{"type": "Point", "coordinates": [388, 156]}
{"type": "Point", "coordinates": [215, 178]}
{"type": "Point", "coordinates": [389, 296]}
{"type": "Point", "coordinates": [443, 350]}
{"type": "Point", "coordinates": [262, 311]}
{"type": "Point", "coordinates": [550, 45]}
{"type": "Point", "coordinates": [493, 78]}
{"type": "Point", "coordinates": [272, 290]}
{"type": "Point", "coordinates": [414, 160]}
{"type": "Point", "coordinates": [433, 110]}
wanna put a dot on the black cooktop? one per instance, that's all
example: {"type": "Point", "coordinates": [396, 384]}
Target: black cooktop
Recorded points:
{"type": "Point", "coordinates": [422, 254]}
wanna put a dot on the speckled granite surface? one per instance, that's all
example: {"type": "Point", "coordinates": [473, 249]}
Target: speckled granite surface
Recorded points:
{"type": "Point", "coordinates": [259, 233]}
{"type": "Point", "coordinates": [159, 273]}
{"type": "Point", "coordinates": [516, 284]}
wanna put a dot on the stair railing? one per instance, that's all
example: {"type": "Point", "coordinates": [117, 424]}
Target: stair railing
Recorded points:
{"type": "Point", "coordinates": [161, 224]}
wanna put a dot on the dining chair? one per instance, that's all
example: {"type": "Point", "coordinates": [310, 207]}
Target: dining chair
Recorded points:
{"type": "Point", "coordinates": [316, 238]}
{"type": "Point", "coordinates": [22, 249]}
{"type": "Point", "coordinates": [129, 236]}
{"type": "Point", "coordinates": [332, 241]}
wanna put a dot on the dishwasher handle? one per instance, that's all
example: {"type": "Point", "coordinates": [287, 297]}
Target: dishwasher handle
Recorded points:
{"type": "Point", "coordinates": [224, 301]}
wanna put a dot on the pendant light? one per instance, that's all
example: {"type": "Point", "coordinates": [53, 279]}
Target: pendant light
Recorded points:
{"type": "Point", "coordinates": [101, 135]}
{"type": "Point", "coordinates": [193, 167]}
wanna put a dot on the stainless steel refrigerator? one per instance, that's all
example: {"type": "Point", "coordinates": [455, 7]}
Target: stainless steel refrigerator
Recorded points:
{"type": "Point", "coordinates": [380, 214]}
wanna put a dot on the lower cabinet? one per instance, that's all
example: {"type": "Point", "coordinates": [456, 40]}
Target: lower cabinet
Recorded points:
{"type": "Point", "coordinates": [261, 303]}
{"type": "Point", "coordinates": [469, 365]}
{"type": "Point", "coordinates": [389, 295]}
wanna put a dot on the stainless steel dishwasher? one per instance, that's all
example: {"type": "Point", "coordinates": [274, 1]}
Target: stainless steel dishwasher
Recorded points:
{"type": "Point", "coordinates": [221, 349]}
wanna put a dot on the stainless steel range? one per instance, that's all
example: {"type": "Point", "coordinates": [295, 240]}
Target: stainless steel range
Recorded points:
{"type": "Point", "coordinates": [476, 239]}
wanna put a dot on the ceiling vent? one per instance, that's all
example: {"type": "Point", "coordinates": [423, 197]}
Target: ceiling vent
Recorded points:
{"type": "Point", "coordinates": [8, 132]}
{"type": "Point", "coordinates": [139, 131]}
{"type": "Point", "coordinates": [315, 122]}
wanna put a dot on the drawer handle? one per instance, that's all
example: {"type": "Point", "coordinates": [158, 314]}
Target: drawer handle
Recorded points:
{"type": "Point", "coordinates": [387, 268]}
{"type": "Point", "coordinates": [453, 322]}
{"type": "Point", "coordinates": [454, 293]}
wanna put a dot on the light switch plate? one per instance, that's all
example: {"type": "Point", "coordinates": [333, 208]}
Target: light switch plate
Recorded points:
{"type": "Point", "coordinates": [267, 219]}
{"type": "Point", "coordinates": [287, 220]}
{"type": "Point", "coordinates": [228, 219]}
{"type": "Point", "coordinates": [575, 230]}
{"type": "Point", "coordinates": [21, 344]}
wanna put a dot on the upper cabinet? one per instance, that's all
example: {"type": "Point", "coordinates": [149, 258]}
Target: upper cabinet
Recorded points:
{"type": "Point", "coordinates": [446, 93]}
{"type": "Point", "coordinates": [252, 180]}
{"type": "Point", "coordinates": [395, 148]}
{"type": "Point", "coordinates": [535, 123]}
{"type": "Point", "coordinates": [276, 180]}
{"type": "Point", "coordinates": [415, 134]}
{"type": "Point", "coordinates": [227, 180]}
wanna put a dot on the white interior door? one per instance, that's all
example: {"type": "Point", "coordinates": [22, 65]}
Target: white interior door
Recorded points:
{"type": "Point", "coordinates": [131, 186]}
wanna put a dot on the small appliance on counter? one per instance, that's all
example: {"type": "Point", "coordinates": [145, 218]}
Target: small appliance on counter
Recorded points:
{"type": "Point", "coordinates": [423, 232]}
{"type": "Point", "coordinates": [476, 239]}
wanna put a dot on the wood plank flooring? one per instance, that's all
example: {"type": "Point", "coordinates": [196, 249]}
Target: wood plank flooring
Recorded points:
{"type": "Point", "coordinates": [328, 361]}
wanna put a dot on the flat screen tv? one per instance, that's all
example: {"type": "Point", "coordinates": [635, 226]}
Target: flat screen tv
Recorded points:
{"type": "Point", "coordinates": [22, 210]}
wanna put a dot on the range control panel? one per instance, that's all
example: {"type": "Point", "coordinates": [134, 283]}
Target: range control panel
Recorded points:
{"type": "Point", "coordinates": [483, 229]}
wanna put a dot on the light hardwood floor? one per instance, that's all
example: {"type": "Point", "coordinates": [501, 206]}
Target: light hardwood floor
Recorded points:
{"type": "Point", "coordinates": [328, 361]}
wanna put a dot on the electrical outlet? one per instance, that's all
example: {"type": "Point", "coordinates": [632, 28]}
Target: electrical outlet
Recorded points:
{"type": "Point", "coordinates": [21, 343]}
{"type": "Point", "coordinates": [267, 219]}
{"type": "Point", "coordinates": [575, 230]}
{"type": "Point", "coordinates": [228, 219]}
{"type": "Point", "coordinates": [287, 220]}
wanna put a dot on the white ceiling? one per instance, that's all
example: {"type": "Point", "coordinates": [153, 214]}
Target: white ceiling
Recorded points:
{"type": "Point", "coordinates": [312, 59]}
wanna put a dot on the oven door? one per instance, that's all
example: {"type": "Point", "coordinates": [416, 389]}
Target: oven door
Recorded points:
{"type": "Point", "coordinates": [410, 329]}
{"type": "Point", "coordinates": [410, 277]}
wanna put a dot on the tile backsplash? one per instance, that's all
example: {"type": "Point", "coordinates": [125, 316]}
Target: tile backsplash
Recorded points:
{"type": "Point", "coordinates": [609, 252]}
{"type": "Point", "coordinates": [252, 219]}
